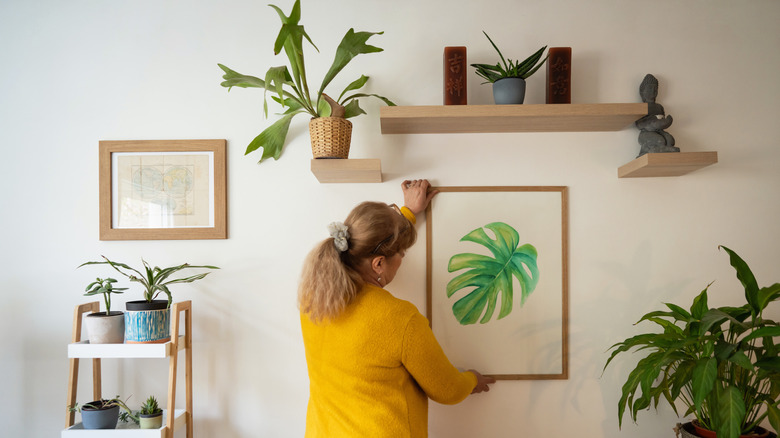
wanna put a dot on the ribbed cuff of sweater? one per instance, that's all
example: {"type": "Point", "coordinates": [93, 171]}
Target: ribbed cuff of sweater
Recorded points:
{"type": "Point", "coordinates": [408, 214]}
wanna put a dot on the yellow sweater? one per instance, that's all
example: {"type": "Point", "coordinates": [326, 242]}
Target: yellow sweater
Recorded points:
{"type": "Point", "coordinates": [372, 370]}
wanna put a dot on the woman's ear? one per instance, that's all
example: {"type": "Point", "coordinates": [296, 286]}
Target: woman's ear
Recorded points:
{"type": "Point", "coordinates": [378, 264]}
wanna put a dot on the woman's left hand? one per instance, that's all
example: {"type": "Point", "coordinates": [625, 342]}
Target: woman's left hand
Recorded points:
{"type": "Point", "coordinates": [417, 194]}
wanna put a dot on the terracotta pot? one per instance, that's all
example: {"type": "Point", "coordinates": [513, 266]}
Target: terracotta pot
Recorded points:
{"type": "Point", "coordinates": [758, 432]}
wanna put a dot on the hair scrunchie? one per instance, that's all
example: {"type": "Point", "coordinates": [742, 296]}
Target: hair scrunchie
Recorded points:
{"type": "Point", "coordinates": [338, 231]}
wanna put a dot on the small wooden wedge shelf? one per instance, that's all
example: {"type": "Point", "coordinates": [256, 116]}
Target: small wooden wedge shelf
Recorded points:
{"type": "Point", "coordinates": [509, 118]}
{"type": "Point", "coordinates": [347, 170]}
{"type": "Point", "coordinates": [78, 349]}
{"type": "Point", "coordinates": [667, 164]}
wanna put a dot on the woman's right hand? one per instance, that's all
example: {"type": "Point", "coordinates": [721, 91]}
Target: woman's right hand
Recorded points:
{"type": "Point", "coordinates": [417, 194]}
{"type": "Point", "coordinates": [482, 382]}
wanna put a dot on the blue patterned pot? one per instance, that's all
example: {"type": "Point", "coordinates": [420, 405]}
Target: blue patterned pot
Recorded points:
{"type": "Point", "coordinates": [147, 322]}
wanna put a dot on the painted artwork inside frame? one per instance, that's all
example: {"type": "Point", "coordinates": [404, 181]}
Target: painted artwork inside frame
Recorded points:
{"type": "Point", "coordinates": [163, 190]}
{"type": "Point", "coordinates": [497, 280]}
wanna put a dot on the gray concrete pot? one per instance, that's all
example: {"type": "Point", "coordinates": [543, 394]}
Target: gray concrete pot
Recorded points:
{"type": "Point", "coordinates": [105, 329]}
{"type": "Point", "coordinates": [509, 91]}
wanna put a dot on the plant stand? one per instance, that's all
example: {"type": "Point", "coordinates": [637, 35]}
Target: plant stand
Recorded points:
{"type": "Point", "coordinates": [173, 418]}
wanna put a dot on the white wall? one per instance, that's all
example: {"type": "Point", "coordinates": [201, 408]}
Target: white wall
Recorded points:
{"type": "Point", "coordinates": [76, 72]}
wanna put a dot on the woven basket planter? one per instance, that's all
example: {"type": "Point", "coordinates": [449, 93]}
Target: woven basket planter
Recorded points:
{"type": "Point", "coordinates": [330, 137]}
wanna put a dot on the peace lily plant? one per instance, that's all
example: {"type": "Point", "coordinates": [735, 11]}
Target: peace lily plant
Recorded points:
{"type": "Point", "coordinates": [720, 363]}
{"type": "Point", "coordinates": [290, 85]}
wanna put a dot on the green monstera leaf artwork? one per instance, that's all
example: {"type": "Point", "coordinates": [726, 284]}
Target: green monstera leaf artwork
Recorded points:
{"type": "Point", "coordinates": [491, 276]}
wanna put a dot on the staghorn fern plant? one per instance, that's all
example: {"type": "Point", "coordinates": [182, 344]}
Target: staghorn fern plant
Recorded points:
{"type": "Point", "coordinates": [491, 276]}
{"type": "Point", "coordinates": [291, 87]}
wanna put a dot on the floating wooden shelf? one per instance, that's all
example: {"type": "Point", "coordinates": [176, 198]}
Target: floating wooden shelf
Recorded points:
{"type": "Point", "coordinates": [347, 170]}
{"type": "Point", "coordinates": [509, 118]}
{"type": "Point", "coordinates": [667, 164]}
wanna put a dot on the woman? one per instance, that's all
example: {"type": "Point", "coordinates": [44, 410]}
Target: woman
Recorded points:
{"type": "Point", "coordinates": [372, 358]}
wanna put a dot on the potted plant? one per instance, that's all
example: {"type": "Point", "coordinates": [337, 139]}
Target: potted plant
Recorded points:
{"type": "Point", "coordinates": [150, 415]}
{"type": "Point", "coordinates": [101, 414]}
{"type": "Point", "coordinates": [148, 320]}
{"type": "Point", "coordinates": [329, 128]}
{"type": "Point", "coordinates": [721, 363]}
{"type": "Point", "coordinates": [508, 77]}
{"type": "Point", "coordinates": [105, 327]}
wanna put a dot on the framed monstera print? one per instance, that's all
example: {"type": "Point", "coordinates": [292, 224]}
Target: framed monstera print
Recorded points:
{"type": "Point", "coordinates": [497, 280]}
{"type": "Point", "coordinates": [162, 189]}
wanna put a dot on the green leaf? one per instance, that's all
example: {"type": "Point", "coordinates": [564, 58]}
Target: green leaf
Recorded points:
{"type": "Point", "coordinates": [492, 276]}
{"type": "Point", "coordinates": [774, 416]}
{"type": "Point", "coordinates": [703, 381]}
{"type": "Point", "coordinates": [355, 85]}
{"type": "Point", "coordinates": [272, 139]}
{"type": "Point", "coordinates": [275, 78]}
{"type": "Point", "coordinates": [768, 294]}
{"type": "Point", "coordinates": [731, 410]}
{"type": "Point", "coordinates": [746, 277]}
{"type": "Point", "coordinates": [353, 44]}
{"type": "Point", "coordinates": [762, 332]}
{"type": "Point", "coordinates": [678, 312]}
{"type": "Point", "coordinates": [699, 306]}
{"type": "Point", "coordinates": [769, 364]}
{"type": "Point", "coordinates": [353, 109]}
{"type": "Point", "coordinates": [234, 79]}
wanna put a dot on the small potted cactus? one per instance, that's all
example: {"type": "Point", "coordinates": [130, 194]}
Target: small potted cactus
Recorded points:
{"type": "Point", "coordinates": [150, 415]}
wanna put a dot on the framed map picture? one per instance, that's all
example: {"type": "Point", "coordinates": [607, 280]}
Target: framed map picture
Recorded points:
{"type": "Point", "coordinates": [497, 281]}
{"type": "Point", "coordinates": [162, 190]}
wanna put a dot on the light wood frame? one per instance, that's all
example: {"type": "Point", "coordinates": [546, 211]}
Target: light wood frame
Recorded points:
{"type": "Point", "coordinates": [430, 224]}
{"type": "Point", "coordinates": [217, 148]}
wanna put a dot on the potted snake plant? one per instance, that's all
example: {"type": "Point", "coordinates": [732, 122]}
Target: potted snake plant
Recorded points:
{"type": "Point", "coordinates": [508, 77]}
{"type": "Point", "coordinates": [329, 129]}
{"type": "Point", "coordinates": [148, 320]}
{"type": "Point", "coordinates": [721, 363]}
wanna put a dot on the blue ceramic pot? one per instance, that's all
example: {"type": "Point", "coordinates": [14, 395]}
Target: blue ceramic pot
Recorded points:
{"type": "Point", "coordinates": [508, 91]}
{"type": "Point", "coordinates": [147, 322]}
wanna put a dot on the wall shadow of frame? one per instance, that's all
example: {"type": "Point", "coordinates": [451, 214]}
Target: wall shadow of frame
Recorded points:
{"type": "Point", "coordinates": [163, 189]}
{"type": "Point", "coordinates": [518, 331]}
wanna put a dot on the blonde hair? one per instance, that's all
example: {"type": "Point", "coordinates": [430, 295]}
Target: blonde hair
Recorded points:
{"type": "Point", "coordinates": [331, 279]}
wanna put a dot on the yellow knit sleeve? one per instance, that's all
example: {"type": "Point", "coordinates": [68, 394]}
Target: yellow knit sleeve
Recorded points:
{"type": "Point", "coordinates": [408, 214]}
{"type": "Point", "coordinates": [425, 360]}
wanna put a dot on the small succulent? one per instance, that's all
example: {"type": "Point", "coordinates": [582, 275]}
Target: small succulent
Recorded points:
{"type": "Point", "coordinates": [510, 68]}
{"type": "Point", "coordinates": [150, 406]}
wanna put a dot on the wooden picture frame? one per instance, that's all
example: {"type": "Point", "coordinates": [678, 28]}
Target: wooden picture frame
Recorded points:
{"type": "Point", "coordinates": [163, 189]}
{"type": "Point", "coordinates": [517, 332]}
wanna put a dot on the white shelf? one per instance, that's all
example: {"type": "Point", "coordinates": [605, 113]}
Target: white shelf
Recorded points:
{"type": "Point", "coordinates": [128, 429]}
{"type": "Point", "coordinates": [85, 350]}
